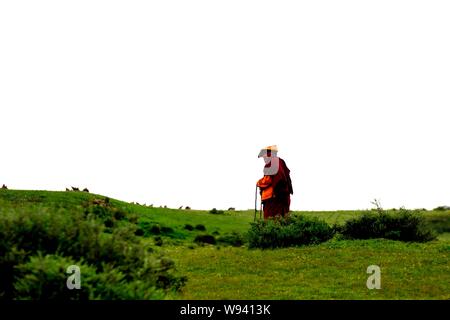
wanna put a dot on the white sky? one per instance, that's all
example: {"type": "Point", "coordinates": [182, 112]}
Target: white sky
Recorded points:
{"type": "Point", "coordinates": [169, 102]}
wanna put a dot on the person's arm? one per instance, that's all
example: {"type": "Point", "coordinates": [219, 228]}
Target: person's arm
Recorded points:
{"type": "Point", "coordinates": [264, 182]}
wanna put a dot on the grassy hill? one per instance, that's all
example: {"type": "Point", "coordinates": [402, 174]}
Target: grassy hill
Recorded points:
{"type": "Point", "coordinates": [332, 270]}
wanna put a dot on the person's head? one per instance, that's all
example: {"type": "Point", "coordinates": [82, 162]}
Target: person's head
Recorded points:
{"type": "Point", "coordinates": [268, 153]}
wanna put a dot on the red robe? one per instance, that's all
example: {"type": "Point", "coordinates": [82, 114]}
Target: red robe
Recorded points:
{"type": "Point", "coordinates": [276, 188]}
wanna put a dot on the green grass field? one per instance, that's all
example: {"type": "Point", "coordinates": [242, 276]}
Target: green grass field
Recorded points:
{"type": "Point", "coordinates": [332, 270]}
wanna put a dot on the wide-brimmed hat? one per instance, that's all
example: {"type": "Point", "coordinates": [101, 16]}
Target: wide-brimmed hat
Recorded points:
{"type": "Point", "coordinates": [268, 151]}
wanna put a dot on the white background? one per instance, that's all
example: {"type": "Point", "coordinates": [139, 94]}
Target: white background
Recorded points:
{"type": "Point", "coordinates": [169, 102]}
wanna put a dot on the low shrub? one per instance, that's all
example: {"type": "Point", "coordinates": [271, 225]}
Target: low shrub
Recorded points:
{"type": "Point", "coordinates": [166, 230]}
{"type": "Point", "coordinates": [158, 241]}
{"type": "Point", "coordinates": [188, 227]}
{"type": "Point", "coordinates": [139, 232]}
{"type": "Point", "coordinates": [438, 223]}
{"type": "Point", "coordinates": [295, 230]}
{"type": "Point", "coordinates": [442, 208]}
{"type": "Point", "coordinates": [151, 228]}
{"type": "Point", "coordinates": [403, 225]}
{"type": "Point", "coordinates": [155, 229]}
{"type": "Point", "coordinates": [234, 239]}
{"type": "Point", "coordinates": [200, 227]}
{"type": "Point", "coordinates": [205, 238]}
{"type": "Point", "coordinates": [45, 241]}
{"type": "Point", "coordinates": [45, 278]}
{"type": "Point", "coordinates": [215, 211]}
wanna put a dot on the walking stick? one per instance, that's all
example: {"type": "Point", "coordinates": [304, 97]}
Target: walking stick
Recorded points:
{"type": "Point", "coordinates": [256, 203]}
{"type": "Point", "coordinates": [260, 210]}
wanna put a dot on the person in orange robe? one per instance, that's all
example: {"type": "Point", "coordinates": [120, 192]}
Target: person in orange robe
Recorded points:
{"type": "Point", "coordinates": [276, 185]}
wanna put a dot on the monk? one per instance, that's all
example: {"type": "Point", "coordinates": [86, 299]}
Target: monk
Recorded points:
{"type": "Point", "coordinates": [276, 185]}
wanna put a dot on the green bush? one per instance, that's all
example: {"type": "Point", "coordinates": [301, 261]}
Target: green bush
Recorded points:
{"type": "Point", "coordinates": [295, 230]}
{"type": "Point", "coordinates": [151, 228]}
{"type": "Point", "coordinates": [39, 237]}
{"type": "Point", "coordinates": [205, 238]}
{"type": "Point", "coordinates": [155, 229]}
{"type": "Point", "coordinates": [139, 232]}
{"type": "Point", "coordinates": [215, 211]}
{"type": "Point", "coordinates": [158, 241]}
{"type": "Point", "coordinates": [166, 230]}
{"type": "Point", "coordinates": [45, 277]}
{"type": "Point", "coordinates": [401, 225]}
{"type": "Point", "coordinates": [438, 223]}
{"type": "Point", "coordinates": [200, 227]}
{"type": "Point", "coordinates": [234, 239]}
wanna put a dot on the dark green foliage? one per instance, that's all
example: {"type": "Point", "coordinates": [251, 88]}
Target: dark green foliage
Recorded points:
{"type": "Point", "coordinates": [45, 277]}
{"type": "Point", "coordinates": [158, 241]}
{"type": "Point", "coordinates": [188, 227]}
{"type": "Point", "coordinates": [438, 223]}
{"type": "Point", "coordinates": [109, 223]}
{"type": "Point", "coordinates": [155, 229]}
{"type": "Point", "coordinates": [205, 238]}
{"type": "Point", "coordinates": [150, 228]}
{"type": "Point", "coordinates": [36, 246]}
{"type": "Point", "coordinates": [295, 230]}
{"type": "Point", "coordinates": [234, 239]}
{"type": "Point", "coordinates": [104, 210]}
{"type": "Point", "coordinates": [200, 227]}
{"type": "Point", "coordinates": [166, 230]}
{"type": "Point", "coordinates": [401, 225]}
{"type": "Point", "coordinates": [215, 211]}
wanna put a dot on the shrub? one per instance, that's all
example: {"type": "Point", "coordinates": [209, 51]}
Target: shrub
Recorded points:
{"type": "Point", "coordinates": [109, 223]}
{"type": "Point", "coordinates": [234, 239]}
{"type": "Point", "coordinates": [294, 230]}
{"type": "Point", "coordinates": [200, 227]}
{"type": "Point", "coordinates": [39, 237]}
{"type": "Point", "coordinates": [215, 211]}
{"type": "Point", "coordinates": [45, 277]}
{"type": "Point", "coordinates": [155, 229]}
{"type": "Point", "coordinates": [188, 227]}
{"type": "Point", "coordinates": [158, 241]}
{"type": "Point", "coordinates": [438, 223]}
{"type": "Point", "coordinates": [166, 230]}
{"type": "Point", "coordinates": [442, 208]}
{"type": "Point", "coordinates": [205, 238]}
{"type": "Point", "coordinates": [401, 225]}
{"type": "Point", "coordinates": [151, 228]}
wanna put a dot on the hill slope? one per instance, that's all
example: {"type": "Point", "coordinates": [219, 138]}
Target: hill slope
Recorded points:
{"type": "Point", "coordinates": [332, 270]}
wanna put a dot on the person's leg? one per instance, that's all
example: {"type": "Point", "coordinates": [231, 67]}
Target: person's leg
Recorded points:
{"type": "Point", "coordinates": [288, 205]}
{"type": "Point", "coordinates": [284, 205]}
{"type": "Point", "coordinates": [268, 208]}
{"type": "Point", "coordinates": [276, 207]}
